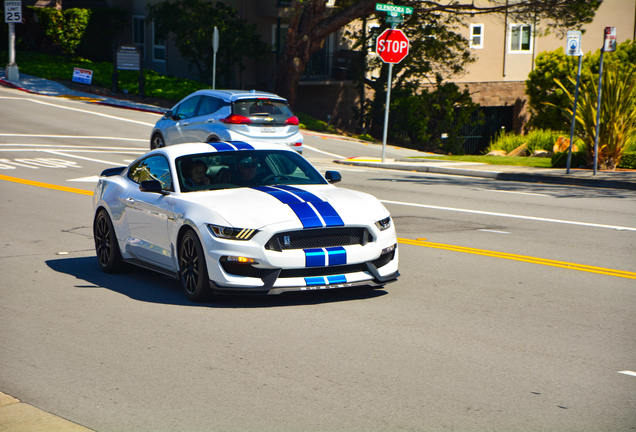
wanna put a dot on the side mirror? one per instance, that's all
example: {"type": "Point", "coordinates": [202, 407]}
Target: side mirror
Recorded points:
{"type": "Point", "coordinates": [333, 176]}
{"type": "Point", "coordinates": [168, 114]}
{"type": "Point", "coordinates": [152, 186]}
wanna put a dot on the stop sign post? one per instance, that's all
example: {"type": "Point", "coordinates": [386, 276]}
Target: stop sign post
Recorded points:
{"type": "Point", "coordinates": [392, 46]}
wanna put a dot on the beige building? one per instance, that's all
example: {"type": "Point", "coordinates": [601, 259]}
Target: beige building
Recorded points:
{"type": "Point", "coordinates": [506, 51]}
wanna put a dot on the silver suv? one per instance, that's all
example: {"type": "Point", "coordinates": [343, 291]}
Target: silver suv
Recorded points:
{"type": "Point", "coordinates": [228, 115]}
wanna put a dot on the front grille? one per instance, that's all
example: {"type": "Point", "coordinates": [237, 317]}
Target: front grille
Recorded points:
{"type": "Point", "coordinates": [319, 238]}
{"type": "Point", "coordinates": [238, 269]}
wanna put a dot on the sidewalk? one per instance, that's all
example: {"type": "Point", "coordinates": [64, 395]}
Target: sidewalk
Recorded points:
{"type": "Point", "coordinates": [46, 87]}
{"type": "Point", "coordinates": [577, 177]}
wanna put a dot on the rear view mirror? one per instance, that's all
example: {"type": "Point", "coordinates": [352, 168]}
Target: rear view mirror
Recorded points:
{"type": "Point", "coordinates": [168, 114]}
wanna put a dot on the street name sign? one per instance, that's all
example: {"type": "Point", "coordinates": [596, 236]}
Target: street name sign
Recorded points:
{"type": "Point", "coordinates": [394, 8]}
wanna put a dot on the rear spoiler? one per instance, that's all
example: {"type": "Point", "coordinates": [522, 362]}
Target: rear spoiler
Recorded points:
{"type": "Point", "coordinates": [112, 171]}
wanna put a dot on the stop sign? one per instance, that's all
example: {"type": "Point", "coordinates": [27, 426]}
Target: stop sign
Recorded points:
{"type": "Point", "coordinates": [392, 46]}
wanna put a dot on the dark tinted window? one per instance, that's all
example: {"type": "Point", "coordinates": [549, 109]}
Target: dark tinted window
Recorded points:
{"type": "Point", "coordinates": [152, 168]}
{"type": "Point", "coordinates": [210, 105]}
{"type": "Point", "coordinates": [270, 167]}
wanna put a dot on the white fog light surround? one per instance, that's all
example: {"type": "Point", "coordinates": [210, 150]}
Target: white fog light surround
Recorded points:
{"type": "Point", "coordinates": [384, 223]}
{"type": "Point", "coordinates": [232, 233]}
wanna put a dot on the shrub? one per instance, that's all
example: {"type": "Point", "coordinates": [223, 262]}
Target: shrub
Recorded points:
{"type": "Point", "coordinates": [628, 161]}
{"type": "Point", "coordinates": [506, 141]}
{"type": "Point", "coordinates": [560, 160]}
{"type": "Point", "coordinates": [65, 28]}
{"type": "Point", "coordinates": [310, 123]}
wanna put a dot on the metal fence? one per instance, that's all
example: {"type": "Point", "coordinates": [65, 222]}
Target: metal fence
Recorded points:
{"type": "Point", "coordinates": [339, 66]}
{"type": "Point", "coordinates": [477, 137]}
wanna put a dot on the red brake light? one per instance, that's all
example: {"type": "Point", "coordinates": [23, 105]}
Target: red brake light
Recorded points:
{"type": "Point", "coordinates": [298, 144]}
{"type": "Point", "coordinates": [293, 120]}
{"type": "Point", "coordinates": [236, 119]}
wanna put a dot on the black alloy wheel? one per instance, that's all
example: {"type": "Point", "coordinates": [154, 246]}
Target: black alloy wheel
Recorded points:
{"type": "Point", "coordinates": [106, 247]}
{"type": "Point", "coordinates": [157, 142]}
{"type": "Point", "coordinates": [193, 272]}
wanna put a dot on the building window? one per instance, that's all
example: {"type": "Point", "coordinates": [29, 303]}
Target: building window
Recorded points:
{"type": "Point", "coordinates": [283, 37]}
{"type": "Point", "coordinates": [477, 36]}
{"type": "Point", "coordinates": [520, 38]}
{"type": "Point", "coordinates": [158, 46]}
{"type": "Point", "coordinates": [139, 32]}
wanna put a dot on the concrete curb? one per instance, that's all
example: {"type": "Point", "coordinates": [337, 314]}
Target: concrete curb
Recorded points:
{"type": "Point", "coordinates": [16, 416]}
{"type": "Point", "coordinates": [496, 175]}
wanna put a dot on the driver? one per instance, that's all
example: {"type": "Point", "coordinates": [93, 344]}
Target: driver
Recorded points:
{"type": "Point", "coordinates": [247, 169]}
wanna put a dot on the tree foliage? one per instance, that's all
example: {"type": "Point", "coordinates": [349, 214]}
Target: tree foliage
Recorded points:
{"type": "Point", "coordinates": [311, 22]}
{"type": "Point", "coordinates": [192, 22]}
{"type": "Point", "coordinates": [546, 98]}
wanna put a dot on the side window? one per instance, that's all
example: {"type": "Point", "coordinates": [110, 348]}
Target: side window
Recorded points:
{"type": "Point", "coordinates": [152, 168]}
{"type": "Point", "coordinates": [209, 105]}
{"type": "Point", "coordinates": [188, 108]}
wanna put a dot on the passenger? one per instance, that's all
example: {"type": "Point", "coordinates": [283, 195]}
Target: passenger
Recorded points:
{"type": "Point", "coordinates": [198, 175]}
{"type": "Point", "coordinates": [224, 176]}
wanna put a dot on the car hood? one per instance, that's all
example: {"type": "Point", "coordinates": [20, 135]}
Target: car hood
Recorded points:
{"type": "Point", "coordinates": [257, 208]}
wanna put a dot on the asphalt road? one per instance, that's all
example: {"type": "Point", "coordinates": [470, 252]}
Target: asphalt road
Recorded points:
{"type": "Point", "coordinates": [515, 309]}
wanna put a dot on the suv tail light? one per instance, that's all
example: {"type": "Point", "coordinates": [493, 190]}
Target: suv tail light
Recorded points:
{"type": "Point", "coordinates": [236, 119]}
{"type": "Point", "coordinates": [293, 120]}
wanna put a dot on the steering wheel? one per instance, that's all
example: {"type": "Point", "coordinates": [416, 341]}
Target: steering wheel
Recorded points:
{"type": "Point", "coordinates": [282, 176]}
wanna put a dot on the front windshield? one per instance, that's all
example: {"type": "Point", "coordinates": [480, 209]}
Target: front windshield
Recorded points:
{"type": "Point", "coordinates": [244, 168]}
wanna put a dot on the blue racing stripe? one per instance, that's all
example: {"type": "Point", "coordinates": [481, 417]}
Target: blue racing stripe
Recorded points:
{"type": "Point", "coordinates": [315, 258]}
{"type": "Point", "coordinates": [240, 145]}
{"type": "Point", "coordinates": [282, 196]}
{"type": "Point", "coordinates": [337, 255]}
{"type": "Point", "coordinates": [221, 146]}
{"type": "Point", "coordinates": [306, 196]}
{"type": "Point", "coordinates": [306, 214]}
{"type": "Point", "coordinates": [328, 213]}
{"type": "Point", "coordinates": [318, 280]}
{"type": "Point", "coordinates": [336, 279]}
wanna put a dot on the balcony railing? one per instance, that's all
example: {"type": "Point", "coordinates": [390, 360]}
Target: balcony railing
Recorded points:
{"type": "Point", "coordinates": [340, 66]}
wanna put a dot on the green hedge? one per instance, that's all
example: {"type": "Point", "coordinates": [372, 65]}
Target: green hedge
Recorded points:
{"type": "Point", "coordinates": [628, 160]}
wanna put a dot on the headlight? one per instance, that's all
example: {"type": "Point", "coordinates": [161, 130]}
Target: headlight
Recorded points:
{"type": "Point", "coordinates": [384, 223]}
{"type": "Point", "coordinates": [232, 233]}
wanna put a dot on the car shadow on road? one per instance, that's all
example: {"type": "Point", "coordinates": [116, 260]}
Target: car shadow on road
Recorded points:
{"type": "Point", "coordinates": [147, 286]}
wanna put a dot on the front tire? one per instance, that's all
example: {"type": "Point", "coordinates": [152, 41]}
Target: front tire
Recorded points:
{"type": "Point", "coordinates": [193, 271]}
{"type": "Point", "coordinates": [157, 142]}
{"type": "Point", "coordinates": [106, 246]}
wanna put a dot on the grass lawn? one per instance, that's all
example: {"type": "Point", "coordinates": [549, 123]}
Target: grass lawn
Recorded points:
{"type": "Point", "coordinates": [496, 160]}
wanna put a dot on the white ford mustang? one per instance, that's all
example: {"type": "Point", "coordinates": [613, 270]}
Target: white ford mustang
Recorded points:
{"type": "Point", "coordinates": [232, 217]}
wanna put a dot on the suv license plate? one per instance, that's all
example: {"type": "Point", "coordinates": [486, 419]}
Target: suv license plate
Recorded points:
{"type": "Point", "coordinates": [267, 129]}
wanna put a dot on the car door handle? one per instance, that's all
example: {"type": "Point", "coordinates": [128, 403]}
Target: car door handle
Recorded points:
{"type": "Point", "coordinates": [210, 121]}
{"type": "Point", "coordinates": [185, 123]}
{"type": "Point", "coordinates": [130, 200]}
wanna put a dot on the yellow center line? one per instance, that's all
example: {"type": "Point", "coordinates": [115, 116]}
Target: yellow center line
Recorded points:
{"type": "Point", "coordinates": [45, 185]}
{"type": "Point", "coordinates": [523, 258]}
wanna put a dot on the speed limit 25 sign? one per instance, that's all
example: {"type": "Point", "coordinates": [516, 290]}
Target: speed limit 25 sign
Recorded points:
{"type": "Point", "coordinates": [12, 11]}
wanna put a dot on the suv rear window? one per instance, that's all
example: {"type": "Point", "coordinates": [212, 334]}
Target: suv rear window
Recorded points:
{"type": "Point", "coordinates": [259, 109]}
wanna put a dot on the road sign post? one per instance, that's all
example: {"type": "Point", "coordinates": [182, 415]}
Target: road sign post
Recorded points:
{"type": "Point", "coordinates": [12, 15]}
{"type": "Point", "coordinates": [609, 44]}
{"type": "Point", "coordinates": [574, 49]}
{"type": "Point", "coordinates": [392, 46]}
